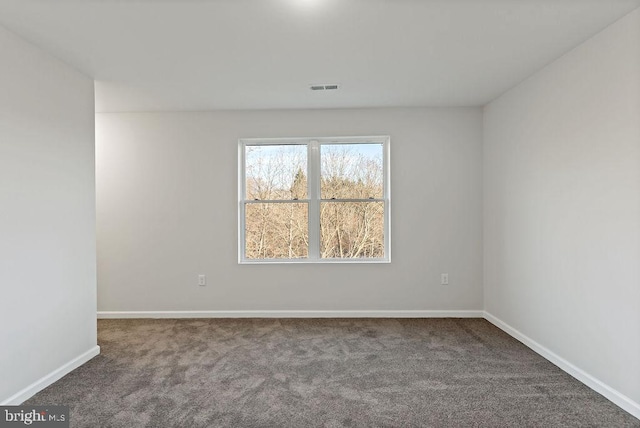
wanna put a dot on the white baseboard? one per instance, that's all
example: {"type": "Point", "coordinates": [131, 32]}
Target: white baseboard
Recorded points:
{"type": "Point", "coordinates": [291, 314]}
{"type": "Point", "coordinates": [43, 382]}
{"type": "Point", "coordinates": [597, 385]}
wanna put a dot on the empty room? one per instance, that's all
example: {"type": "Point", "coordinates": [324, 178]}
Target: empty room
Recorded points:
{"type": "Point", "coordinates": [322, 213]}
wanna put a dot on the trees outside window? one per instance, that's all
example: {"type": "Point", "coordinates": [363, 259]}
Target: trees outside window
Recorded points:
{"type": "Point", "coordinates": [314, 200]}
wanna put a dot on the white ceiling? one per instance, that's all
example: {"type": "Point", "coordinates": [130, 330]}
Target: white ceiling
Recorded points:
{"type": "Point", "coordinates": [252, 54]}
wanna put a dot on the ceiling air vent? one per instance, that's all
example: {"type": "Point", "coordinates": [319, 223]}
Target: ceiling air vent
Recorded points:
{"type": "Point", "coordinates": [329, 87]}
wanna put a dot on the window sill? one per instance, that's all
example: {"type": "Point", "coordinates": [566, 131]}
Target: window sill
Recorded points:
{"type": "Point", "coordinates": [313, 262]}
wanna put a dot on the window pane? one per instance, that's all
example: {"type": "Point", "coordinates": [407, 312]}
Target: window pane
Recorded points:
{"type": "Point", "coordinates": [276, 230]}
{"type": "Point", "coordinates": [351, 171]}
{"type": "Point", "coordinates": [351, 229]}
{"type": "Point", "coordinates": [276, 172]}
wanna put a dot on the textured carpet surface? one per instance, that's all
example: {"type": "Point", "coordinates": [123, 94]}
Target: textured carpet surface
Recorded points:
{"type": "Point", "coordinates": [322, 373]}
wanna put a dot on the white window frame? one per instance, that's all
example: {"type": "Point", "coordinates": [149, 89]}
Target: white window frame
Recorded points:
{"type": "Point", "coordinates": [313, 183]}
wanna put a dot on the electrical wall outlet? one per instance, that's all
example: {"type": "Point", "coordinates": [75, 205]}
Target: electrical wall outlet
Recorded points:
{"type": "Point", "coordinates": [444, 279]}
{"type": "Point", "coordinates": [202, 280]}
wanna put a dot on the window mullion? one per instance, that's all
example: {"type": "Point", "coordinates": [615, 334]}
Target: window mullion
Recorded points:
{"type": "Point", "coordinates": [313, 182]}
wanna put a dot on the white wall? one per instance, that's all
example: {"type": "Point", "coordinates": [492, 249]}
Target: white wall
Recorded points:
{"type": "Point", "coordinates": [47, 216]}
{"type": "Point", "coordinates": [562, 207]}
{"type": "Point", "coordinates": [167, 211]}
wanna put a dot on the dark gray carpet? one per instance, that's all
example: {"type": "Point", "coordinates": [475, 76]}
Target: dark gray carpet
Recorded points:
{"type": "Point", "coordinates": [322, 373]}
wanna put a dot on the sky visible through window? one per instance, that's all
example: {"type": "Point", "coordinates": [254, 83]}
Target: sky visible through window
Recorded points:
{"type": "Point", "coordinates": [272, 170]}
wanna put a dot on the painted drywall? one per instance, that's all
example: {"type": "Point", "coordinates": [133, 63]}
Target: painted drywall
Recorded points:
{"type": "Point", "coordinates": [47, 215]}
{"type": "Point", "coordinates": [562, 207]}
{"type": "Point", "coordinates": [167, 211]}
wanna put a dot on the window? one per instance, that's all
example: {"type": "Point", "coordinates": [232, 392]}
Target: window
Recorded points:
{"type": "Point", "coordinates": [314, 200]}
